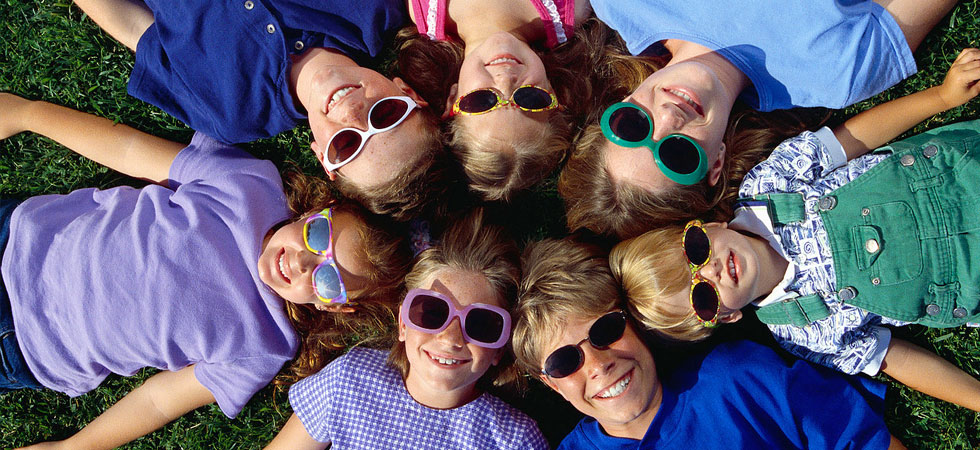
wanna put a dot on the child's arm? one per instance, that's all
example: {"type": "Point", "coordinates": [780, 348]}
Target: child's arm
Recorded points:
{"type": "Point", "coordinates": [163, 398]}
{"type": "Point", "coordinates": [876, 126]}
{"type": "Point", "coordinates": [124, 20]}
{"type": "Point", "coordinates": [294, 436]}
{"type": "Point", "coordinates": [930, 374]}
{"type": "Point", "coordinates": [116, 146]}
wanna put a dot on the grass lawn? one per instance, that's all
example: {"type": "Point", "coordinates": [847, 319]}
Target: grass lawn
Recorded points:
{"type": "Point", "coordinates": [50, 51]}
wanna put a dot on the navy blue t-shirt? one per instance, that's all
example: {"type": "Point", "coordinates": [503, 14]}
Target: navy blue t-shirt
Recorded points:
{"type": "Point", "coordinates": [222, 67]}
{"type": "Point", "coordinates": [743, 395]}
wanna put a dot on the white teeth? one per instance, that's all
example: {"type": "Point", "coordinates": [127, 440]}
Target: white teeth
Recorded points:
{"type": "Point", "coordinates": [686, 98]}
{"type": "Point", "coordinates": [616, 389]}
{"type": "Point", "coordinates": [341, 93]}
{"type": "Point", "coordinates": [282, 266]}
{"type": "Point", "coordinates": [503, 60]}
{"type": "Point", "coordinates": [731, 267]}
{"type": "Point", "coordinates": [445, 361]}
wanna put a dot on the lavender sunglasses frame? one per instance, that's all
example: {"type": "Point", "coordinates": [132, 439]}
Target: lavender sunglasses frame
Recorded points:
{"type": "Point", "coordinates": [456, 311]}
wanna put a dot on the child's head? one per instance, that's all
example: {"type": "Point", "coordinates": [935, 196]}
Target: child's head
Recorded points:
{"type": "Point", "coordinates": [655, 272]}
{"type": "Point", "coordinates": [622, 190]}
{"type": "Point", "coordinates": [472, 264]}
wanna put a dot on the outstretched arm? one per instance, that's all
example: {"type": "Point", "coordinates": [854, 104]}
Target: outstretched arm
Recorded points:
{"type": "Point", "coordinates": [125, 20]}
{"type": "Point", "coordinates": [917, 17]}
{"type": "Point", "coordinates": [875, 127]}
{"type": "Point", "coordinates": [930, 374]}
{"type": "Point", "coordinates": [116, 146]}
{"type": "Point", "coordinates": [163, 398]}
{"type": "Point", "coordinates": [294, 436]}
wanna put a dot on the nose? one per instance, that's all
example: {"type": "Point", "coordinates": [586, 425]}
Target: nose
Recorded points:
{"type": "Point", "coordinates": [711, 270]}
{"type": "Point", "coordinates": [355, 115]}
{"type": "Point", "coordinates": [667, 121]}
{"type": "Point", "coordinates": [597, 362]}
{"type": "Point", "coordinates": [452, 335]}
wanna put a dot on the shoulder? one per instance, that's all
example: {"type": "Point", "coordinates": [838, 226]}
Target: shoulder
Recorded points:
{"type": "Point", "coordinates": [515, 426]}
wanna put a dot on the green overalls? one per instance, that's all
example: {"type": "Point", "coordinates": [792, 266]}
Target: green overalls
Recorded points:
{"type": "Point", "coordinates": [905, 235]}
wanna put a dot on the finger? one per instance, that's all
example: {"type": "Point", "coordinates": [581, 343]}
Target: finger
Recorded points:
{"type": "Point", "coordinates": [967, 53]}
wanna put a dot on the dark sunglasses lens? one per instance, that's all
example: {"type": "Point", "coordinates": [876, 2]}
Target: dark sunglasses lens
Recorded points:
{"type": "Point", "coordinates": [530, 97]}
{"type": "Point", "coordinates": [326, 280]}
{"type": "Point", "coordinates": [696, 245]}
{"type": "Point", "coordinates": [484, 325]}
{"type": "Point", "coordinates": [318, 234]}
{"type": "Point", "coordinates": [630, 124]}
{"type": "Point", "coordinates": [563, 362]}
{"type": "Point", "coordinates": [679, 154]}
{"type": "Point", "coordinates": [342, 146]}
{"type": "Point", "coordinates": [607, 329]}
{"type": "Point", "coordinates": [478, 101]}
{"type": "Point", "coordinates": [428, 312]}
{"type": "Point", "coordinates": [387, 112]}
{"type": "Point", "coordinates": [705, 300]}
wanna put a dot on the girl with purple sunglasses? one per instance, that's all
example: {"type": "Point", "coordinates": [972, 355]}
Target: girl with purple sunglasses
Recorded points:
{"type": "Point", "coordinates": [453, 333]}
{"type": "Point", "coordinates": [187, 275]}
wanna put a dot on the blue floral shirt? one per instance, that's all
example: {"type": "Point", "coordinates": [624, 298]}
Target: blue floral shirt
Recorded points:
{"type": "Point", "coordinates": [814, 164]}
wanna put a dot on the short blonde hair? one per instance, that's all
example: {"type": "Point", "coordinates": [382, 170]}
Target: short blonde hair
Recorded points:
{"type": "Point", "coordinates": [470, 245]}
{"type": "Point", "coordinates": [650, 267]}
{"type": "Point", "coordinates": [563, 279]}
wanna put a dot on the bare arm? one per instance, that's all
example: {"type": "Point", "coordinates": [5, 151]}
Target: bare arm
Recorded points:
{"type": "Point", "coordinates": [294, 436]}
{"type": "Point", "coordinates": [116, 146]}
{"type": "Point", "coordinates": [124, 20]}
{"type": "Point", "coordinates": [896, 444]}
{"type": "Point", "coordinates": [875, 127]}
{"type": "Point", "coordinates": [929, 374]}
{"type": "Point", "coordinates": [163, 398]}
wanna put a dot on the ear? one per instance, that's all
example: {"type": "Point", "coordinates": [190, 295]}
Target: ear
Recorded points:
{"type": "Point", "coordinates": [496, 357]}
{"type": "Point", "coordinates": [548, 382]}
{"type": "Point", "coordinates": [731, 317]}
{"type": "Point", "coordinates": [318, 151]}
{"type": "Point", "coordinates": [714, 172]}
{"type": "Point", "coordinates": [401, 329]}
{"type": "Point", "coordinates": [716, 225]}
{"type": "Point", "coordinates": [409, 91]}
{"type": "Point", "coordinates": [450, 101]}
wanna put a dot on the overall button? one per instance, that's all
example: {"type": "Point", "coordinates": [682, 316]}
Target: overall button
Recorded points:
{"type": "Point", "coordinates": [930, 151]}
{"type": "Point", "coordinates": [865, 211]}
{"type": "Point", "coordinates": [876, 281]}
{"type": "Point", "coordinates": [907, 160]}
{"type": "Point", "coordinates": [959, 312]}
{"type": "Point", "coordinates": [847, 293]}
{"type": "Point", "coordinates": [827, 203]}
{"type": "Point", "coordinates": [932, 309]}
{"type": "Point", "coordinates": [270, 28]}
{"type": "Point", "coordinates": [249, 5]}
{"type": "Point", "coordinates": [871, 245]}
{"type": "Point", "coordinates": [298, 45]}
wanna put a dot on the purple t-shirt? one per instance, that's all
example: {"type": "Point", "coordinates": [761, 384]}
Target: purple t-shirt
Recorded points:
{"type": "Point", "coordinates": [119, 279]}
{"type": "Point", "coordinates": [360, 402]}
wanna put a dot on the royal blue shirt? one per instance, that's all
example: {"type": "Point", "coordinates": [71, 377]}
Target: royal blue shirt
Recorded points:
{"type": "Point", "coordinates": [222, 67]}
{"type": "Point", "coordinates": [742, 395]}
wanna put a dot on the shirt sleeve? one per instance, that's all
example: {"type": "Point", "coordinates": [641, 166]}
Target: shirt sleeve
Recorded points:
{"type": "Point", "coordinates": [795, 162]}
{"type": "Point", "coordinates": [836, 155]}
{"type": "Point", "coordinates": [310, 399]}
{"type": "Point", "coordinates": [849, 340]}
{"type": "Point", "coordinates": [234, 383]}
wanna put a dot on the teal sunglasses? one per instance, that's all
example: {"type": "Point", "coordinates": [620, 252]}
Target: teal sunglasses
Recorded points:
{"type": "Point", "coordinates": [679, 157]}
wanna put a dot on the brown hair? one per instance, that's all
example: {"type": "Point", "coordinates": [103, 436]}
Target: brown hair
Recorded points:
{"type": "Point", "coordinates": [563, 279]}
{"type": "Point", "coordinates": [387, 251]}
{"type": "Point", "coordinates": [594, 201]}
{"type": "Point", "coordinates": [650, 267]}
{"type": "Point", "coordinates": [473, 246]}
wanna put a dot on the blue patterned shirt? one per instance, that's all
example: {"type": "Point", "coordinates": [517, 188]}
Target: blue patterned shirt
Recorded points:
{"type": "Point", "coordinates": [851, 339]}
{"type": "Point", "coordinates": [360, 402]}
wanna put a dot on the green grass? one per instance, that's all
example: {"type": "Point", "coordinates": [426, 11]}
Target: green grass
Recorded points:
{"type": "Point", "coordinates": [50, 51]}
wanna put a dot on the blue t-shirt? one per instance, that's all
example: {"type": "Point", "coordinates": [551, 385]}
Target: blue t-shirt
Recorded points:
{"type": "Point", "coordinates": [742, 395]}
{"type": "Point", "coordinates": [115, 280]}
{"type": "Point", "coordinates": [796, 53]}
{"type": "Point", "coordinates": [222, 67]}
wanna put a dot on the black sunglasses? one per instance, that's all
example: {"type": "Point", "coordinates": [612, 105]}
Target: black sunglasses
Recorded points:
{"type": "Point", "coordinates": [605, 331]}
{"type": "Point", "coordinates": [704, 295]}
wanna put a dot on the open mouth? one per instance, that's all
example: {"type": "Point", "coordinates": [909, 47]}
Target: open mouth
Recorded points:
{"type": "Point", "coordinates": [617, 388]}
{"type": "Point", "coordinates": [282, 266]}
{"type": "Point", "coordinates": [503, 59]}
{"type": "Point", "coordinates": [687, 99]}
{"type": "Point", "coordinates": [446, 361]}
{"type": "Point", "coordinates": [732, 267]}
{"type": "Point", "coordinates": [339, 95]}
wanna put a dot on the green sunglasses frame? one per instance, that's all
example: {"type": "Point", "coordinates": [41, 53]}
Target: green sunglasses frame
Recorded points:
{"type": "Point", "coordinates": [685, 179]}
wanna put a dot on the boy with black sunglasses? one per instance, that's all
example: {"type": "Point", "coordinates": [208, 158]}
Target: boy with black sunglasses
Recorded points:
{"type": "Point", "coordinates": [569, 332]}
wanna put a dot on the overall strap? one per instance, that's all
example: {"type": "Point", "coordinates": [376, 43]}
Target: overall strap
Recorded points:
{"type": "Point", "coordinates": [783, 208]}
{"type": "Point", "coordinates": [796, 311]}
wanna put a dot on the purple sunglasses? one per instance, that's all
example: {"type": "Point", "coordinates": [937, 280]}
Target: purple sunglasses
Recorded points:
{"type": "Point", "coordinates": [431, 312]}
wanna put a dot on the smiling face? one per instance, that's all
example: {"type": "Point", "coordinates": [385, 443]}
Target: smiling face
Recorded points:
{"type": "Point", "coordinates": [505, 63]}
{"type": "Point", "coordinates": [341, 97]}
{"type": "Point", "coordinates": [443, 368]}
{"type": "Point", "coordinates": [684, 98]}
{"type": "Point", "coordinates": [618, 386]}
{"type": "Point", "coordinates": [286, 265]}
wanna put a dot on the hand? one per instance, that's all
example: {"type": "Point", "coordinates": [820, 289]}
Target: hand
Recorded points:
{"type": "Point", "coordinates": [12, 110]}
{"type": "Point", "coordinates": [961, 83]}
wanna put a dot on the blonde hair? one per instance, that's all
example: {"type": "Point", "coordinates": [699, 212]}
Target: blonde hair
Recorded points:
{"type": "Point", "coordinates": [386, 249]}
{"type": "Point", "coordinates": [470, 245]}
{"type": "Point", "coordinates": [563, 279]}
{"type": "Point", "coordinates": [651, 267]}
